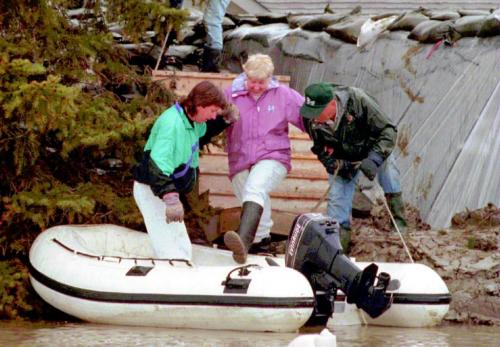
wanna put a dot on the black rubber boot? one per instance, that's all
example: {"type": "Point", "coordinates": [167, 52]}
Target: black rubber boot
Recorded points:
{"type": "Point", "coordinates": [241, 241]}
{"type": "Point", "coordinates": [397, 207]}
{"type": "Point", "coordinates": [210, 59]}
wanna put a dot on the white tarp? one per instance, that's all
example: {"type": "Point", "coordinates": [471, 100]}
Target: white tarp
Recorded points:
{"type": "Point", "coordinates": [478, 162]}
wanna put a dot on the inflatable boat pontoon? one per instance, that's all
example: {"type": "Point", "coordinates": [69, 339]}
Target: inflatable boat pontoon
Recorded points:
{"type": "Point", "coordinates": [108, 274]}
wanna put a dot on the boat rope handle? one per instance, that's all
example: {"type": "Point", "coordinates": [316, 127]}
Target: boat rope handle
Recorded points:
{"type": "Point", "coordinates": [75, 251]}
{"type": "Point", "coordinates": [187, 262]}
{"type": "Point", "coordinates": [135, 259]}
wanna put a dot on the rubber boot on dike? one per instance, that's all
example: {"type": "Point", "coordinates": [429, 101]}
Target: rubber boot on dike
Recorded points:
{"type": "Point", "coordinates": [210, 59]}
{"type": "Point", "coordinates": [397, 207]}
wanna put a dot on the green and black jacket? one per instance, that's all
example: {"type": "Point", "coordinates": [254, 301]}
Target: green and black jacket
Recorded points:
{"type": "Point", "coordinates": [171, 154]}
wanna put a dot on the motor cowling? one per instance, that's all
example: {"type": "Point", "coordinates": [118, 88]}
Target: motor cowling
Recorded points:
{"type": "Point", "coordinates": [314, 249]}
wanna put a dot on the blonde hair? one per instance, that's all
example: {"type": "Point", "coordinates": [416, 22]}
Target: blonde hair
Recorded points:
{"type": "Point", "coordinates": [259, 66]}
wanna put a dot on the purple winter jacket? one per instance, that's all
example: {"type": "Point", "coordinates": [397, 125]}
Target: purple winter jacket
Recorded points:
{"type": "Point", "coordinates": [262, 130]}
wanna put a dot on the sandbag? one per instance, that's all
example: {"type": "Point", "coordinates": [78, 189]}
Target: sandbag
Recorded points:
{"type": "Point", "coordinates": [464, 13]}
{"type": "Point", "coordinates": [181, 51]}
{"type": "Point", "coordinates": [491, 25]}
{"type": "Point", "coordinates": [240, 19]}
{"type": "Point", "coordinates": [308, 45]}
{"type": "Point", "coordinates": [433, 30]}
{"type": "Point", "coordinates": [373, 28]}
{"type": "Point", "coordinates": [347, 30]}
{"type": "Point", "coordinates": [227, 23]}
{"type": "Point", "coordinates": [409, 21]}
{"type": "Point", "coordinates": [441, 14]}
{"type": "Point", "coordinates": [265, 35]}
{"type": "Point", "coordinates": [319, 23]}
{"type": "Point", "coordinates": [261, 38]}
{"type": "Point", "coordinates": [469, 26]}
{"type": "Point", "coordinates": [297, 20]}
{"type": "Point", "coordinates": [270, 18]}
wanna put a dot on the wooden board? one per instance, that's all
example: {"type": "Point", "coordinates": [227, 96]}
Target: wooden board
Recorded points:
{"type": "Point", "coordinates": [181, 82]}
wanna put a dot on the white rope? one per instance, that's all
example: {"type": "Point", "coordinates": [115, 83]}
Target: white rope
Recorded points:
{"type": "Point", "coordinates": [378, 189]}
{"type": "Point", "coordinates": [379, 192]}
{"type": "Point", "coordinates": [325, 194]}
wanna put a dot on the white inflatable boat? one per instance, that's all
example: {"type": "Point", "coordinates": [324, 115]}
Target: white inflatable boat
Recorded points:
{"type": "Point", "coordinates": [107, 274]}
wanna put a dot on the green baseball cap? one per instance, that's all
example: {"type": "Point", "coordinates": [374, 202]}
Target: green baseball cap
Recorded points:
{"type": "Point", "coordinates": [317, 96]}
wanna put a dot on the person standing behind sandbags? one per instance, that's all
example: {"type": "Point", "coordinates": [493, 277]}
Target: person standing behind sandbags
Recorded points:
{"type": "Point", "coordinates": [213, 16]}
{"type": "Point", "coordinates": [259, 150]}
{"type": "Point", "coordinates": [212, 19]}
{"type": "Point", "coordinates": [347, 124]}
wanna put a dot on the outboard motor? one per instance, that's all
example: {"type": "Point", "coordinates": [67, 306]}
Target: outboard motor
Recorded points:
{"type": "Point", "coordinates": [314, 249]}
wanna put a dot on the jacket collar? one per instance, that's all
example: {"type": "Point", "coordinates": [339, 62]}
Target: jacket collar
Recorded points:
{"type": "Point", "coordinates": [342, 96]}
{"type": "Point", "coordinates": [238, 87]}
{"type": "Point", "coordinates": [188, 123]}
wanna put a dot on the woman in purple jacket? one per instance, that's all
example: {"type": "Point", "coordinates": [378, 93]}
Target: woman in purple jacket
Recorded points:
{"type": "Point", "coordinates": [258, 149]}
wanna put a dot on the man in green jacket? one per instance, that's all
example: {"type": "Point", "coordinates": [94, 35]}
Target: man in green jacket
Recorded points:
{"type": "Point", "coordinates": [351, 132]}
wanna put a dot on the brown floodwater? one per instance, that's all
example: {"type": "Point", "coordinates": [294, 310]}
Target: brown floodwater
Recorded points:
{"type": "Point", "coordinates": [83, 334]}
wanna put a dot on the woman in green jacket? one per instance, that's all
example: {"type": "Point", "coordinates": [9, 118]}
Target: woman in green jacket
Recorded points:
{"type": "Point", "coordinates": [169, 166]}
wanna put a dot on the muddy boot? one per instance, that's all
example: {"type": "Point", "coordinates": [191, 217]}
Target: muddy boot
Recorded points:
{"type": "Point", "coordinates": [210, 59]}
{"type": "Point", "coordinates": [397, 207]}
{"type": "Point", "coordinates": [345, 238]}
{"type": "Point", "coordinates": [241, 241]}
{"type": "Point", "coordinates": [261, 247]}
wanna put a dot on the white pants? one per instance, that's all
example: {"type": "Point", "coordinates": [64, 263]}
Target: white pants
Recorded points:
{"type": "Point", "coordinates": [255, 185]}
{"type": "Point", "coordinates": [169, 240]}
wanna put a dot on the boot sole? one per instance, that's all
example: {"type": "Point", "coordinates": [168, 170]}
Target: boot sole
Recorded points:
{"type": "Point", "coordinates": [234, 243]}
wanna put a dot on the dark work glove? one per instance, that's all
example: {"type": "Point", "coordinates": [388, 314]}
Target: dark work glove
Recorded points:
{"type": "Point", "coordinates": [370, 165]}
{"type": "Point", "coordinates": [328, 161]}
{"type": "Point", "coordinates": [317, 149]}
{"type": "Point", "coordinates": [349, 169]}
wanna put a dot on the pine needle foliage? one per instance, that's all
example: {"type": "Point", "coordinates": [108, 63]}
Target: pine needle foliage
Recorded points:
{"type": "Point", "coordinates": [16, 298]}
{"type": "Point", "coordinates": [63, 117]}
{"type": "Point", "coordinates": [139, 14]}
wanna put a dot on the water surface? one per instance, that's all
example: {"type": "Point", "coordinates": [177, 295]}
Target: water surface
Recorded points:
{"type": "Point", "coordinates": [83, 334]}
